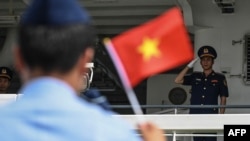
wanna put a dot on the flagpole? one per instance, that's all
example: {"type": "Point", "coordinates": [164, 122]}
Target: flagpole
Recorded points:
{"type": "Point", "coordinates": [125, 81]}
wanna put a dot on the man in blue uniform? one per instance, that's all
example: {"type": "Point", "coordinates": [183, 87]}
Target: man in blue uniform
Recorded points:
{"type": "Point", "coordinates": [56, 40]}
{"type": "Point", "coordinates": [206, 86]}
{"type": "Point", "coordinates": [5, 79]}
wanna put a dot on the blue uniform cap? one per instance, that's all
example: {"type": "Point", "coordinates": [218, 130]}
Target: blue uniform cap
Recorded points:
{"type": "Point", "coordinates": [207, 51]}
{"type": "Point", "coordinates": [55, 13]}
{"type": "Point", "coordinates": [6, 72]}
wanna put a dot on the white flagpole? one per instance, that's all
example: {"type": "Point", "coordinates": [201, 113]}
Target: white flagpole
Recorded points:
{"type": "Point", "coordinates": [124, 78]}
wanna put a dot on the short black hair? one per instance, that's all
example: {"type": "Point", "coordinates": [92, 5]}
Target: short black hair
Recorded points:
{"type": "Point", "coordinates": [54, 48]}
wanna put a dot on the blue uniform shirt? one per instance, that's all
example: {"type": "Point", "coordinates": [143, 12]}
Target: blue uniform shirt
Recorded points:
{"type": "Point", "coordinates": [50, 110]}
{"type": "Point", "coordinates": [206, 90]}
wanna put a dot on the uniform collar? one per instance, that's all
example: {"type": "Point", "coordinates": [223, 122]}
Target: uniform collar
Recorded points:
{"type": "Point", "coordinates": [211, 74]}
{"type": "Point", "coordinates": [47, 86]}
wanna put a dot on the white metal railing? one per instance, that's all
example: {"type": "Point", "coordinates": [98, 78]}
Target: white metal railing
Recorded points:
{"type": "Point", "coordinates": [178, 125]}
{"type": "Point", "coordinates": [5, 98]}
{"type": "Point", "coordinates": [186, 125]}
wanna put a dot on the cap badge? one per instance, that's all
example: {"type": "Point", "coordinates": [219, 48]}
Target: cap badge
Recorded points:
{"type": "Point", "coordinates": [205, 50]}
{"type": "Point", "coordinates": [4, 71]}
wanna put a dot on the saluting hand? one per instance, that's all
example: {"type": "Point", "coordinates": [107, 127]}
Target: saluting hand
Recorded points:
{"type": "Point", "coordinates": [191, 64]}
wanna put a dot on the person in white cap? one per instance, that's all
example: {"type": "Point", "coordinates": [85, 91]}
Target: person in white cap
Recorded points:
{"type": "Point", "coordinates": [5, 79]}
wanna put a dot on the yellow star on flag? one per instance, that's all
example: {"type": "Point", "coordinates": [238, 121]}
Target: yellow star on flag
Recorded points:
{"type": "Point", "coordinates": [149, 48]}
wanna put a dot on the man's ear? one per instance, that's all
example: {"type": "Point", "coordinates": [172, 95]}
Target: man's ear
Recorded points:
{"type": "Point", "coordinates": [86, 57]}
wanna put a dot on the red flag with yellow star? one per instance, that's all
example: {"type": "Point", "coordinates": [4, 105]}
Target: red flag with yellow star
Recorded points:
{"type": "Point", "coordinates": [153, 47]}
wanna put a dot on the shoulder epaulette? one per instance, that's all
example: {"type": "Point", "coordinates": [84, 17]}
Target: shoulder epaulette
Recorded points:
{"type": "Point", "coordinates": [220, 74]}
